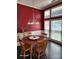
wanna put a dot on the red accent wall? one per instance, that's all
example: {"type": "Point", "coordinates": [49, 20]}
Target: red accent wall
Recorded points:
{"type": "Point", "coordinates": [24, 14]}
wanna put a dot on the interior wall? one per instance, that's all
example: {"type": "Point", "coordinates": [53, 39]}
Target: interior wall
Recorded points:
{"type": "Point", "coordinates": [24, 14]}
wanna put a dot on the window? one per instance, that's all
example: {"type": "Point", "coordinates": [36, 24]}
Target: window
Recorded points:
{"type": "Point", "coordinates": [53, 22]}
{"type": "Point", "coordinates": [57, 11]}
{"type": "Point", "coordinates": [47, 14]}
{"type": "Point", "coordinates": [46, 27]}
{"type": "Point", "coordinates": [56, 30]}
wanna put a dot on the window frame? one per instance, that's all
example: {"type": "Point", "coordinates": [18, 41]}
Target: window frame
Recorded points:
{"type": "Point", "coordinates": [52, 18]}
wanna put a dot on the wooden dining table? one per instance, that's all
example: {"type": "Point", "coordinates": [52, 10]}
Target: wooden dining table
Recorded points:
{"type": "Point", "coordinates": [32, 41]}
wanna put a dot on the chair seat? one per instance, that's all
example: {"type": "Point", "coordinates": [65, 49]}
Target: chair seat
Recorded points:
{"type": "Point", "coordinates": [39, 50]}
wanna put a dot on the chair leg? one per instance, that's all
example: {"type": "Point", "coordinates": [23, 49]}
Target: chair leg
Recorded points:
{"type": "Point", "coordinates": [39, 56]}
{"type": "Point", "coordinates": [45, 56]}
{"type": "Point", "coordinates": [24, 55]}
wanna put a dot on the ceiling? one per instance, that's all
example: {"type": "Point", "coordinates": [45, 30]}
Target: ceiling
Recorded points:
{"type": "Point", "coordinates": [39, 4]}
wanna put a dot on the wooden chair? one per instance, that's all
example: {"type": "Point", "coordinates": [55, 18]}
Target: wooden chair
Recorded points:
{"type": "Point", "coordinates": [40, 48]}
{"type": "Point", "coordinates": [24, 48]}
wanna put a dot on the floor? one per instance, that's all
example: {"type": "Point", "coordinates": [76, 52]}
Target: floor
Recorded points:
{"type": "Point", "coordinates": [53, 51]}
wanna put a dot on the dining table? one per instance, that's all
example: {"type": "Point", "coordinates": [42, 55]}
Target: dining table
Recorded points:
{"type": "Point", "coordinates": [32, 41]}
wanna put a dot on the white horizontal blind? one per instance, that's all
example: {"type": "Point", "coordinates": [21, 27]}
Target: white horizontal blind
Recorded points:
{"type": "Point", "coordinates": [57, 11]}
{"type": "Point", "coordinates": [47, 14]}
{"type": "Point", "coordinates": [46, 27]}
{"type": "Point", "coordinates": [56, 30]}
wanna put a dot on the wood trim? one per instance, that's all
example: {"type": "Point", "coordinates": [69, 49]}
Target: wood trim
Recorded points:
{"type": "Point", "coordinates": [50, 25]}
{"type": "Point", "coordinates": [53, 18]}
{"type": "Point", "coordinates": [29, 6]}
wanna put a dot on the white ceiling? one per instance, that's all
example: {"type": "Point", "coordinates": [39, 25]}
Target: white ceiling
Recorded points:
{"type": "Point", "coordinates": [39, 4]}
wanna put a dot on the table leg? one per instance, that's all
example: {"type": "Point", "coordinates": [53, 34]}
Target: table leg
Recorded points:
{"type": "Point", "coordinates": [31, 53]}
